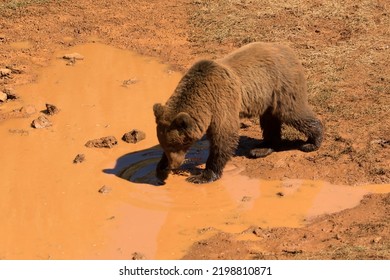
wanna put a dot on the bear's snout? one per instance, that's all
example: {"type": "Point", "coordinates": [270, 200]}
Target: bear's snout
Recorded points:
{"type": "Point", "coordinates": [175, 160]}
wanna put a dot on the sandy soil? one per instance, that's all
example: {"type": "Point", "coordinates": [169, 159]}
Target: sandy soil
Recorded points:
{"type": "Point", "coordinates": [263, 208]}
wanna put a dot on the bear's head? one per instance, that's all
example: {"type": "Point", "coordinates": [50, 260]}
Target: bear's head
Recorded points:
{"type": "Point", "coordinates": [176, 133]}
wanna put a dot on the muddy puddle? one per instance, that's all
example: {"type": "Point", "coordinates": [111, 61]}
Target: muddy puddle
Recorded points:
{"type": "Point", "coordinates": [51, 208]}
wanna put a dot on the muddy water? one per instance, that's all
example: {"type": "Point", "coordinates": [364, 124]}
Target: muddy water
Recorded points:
{"type": "Point", "coordinates": [51, 208]}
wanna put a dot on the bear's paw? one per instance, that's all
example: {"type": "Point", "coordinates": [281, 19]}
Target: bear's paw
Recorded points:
{"type": "Point", "coordinates": [206, 176]}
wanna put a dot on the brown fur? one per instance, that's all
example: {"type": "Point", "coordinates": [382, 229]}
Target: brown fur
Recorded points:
{"type": "Point", "coordinates": [260, 79]}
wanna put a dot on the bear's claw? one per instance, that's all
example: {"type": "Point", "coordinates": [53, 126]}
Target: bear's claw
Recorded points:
{"type": "Point", "coordinates": [308, 147]}
{"type": "Point", "coordinates": [207, 176]}
{"type": "Point", "coordinates": [260, 152]}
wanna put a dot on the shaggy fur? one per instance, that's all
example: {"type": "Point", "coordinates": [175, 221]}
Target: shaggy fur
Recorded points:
{"type": "Point", "coordinates": [258, 80]}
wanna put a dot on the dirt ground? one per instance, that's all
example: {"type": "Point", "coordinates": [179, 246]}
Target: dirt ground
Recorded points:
{"type": "Point", "coordinates": [344, 47]}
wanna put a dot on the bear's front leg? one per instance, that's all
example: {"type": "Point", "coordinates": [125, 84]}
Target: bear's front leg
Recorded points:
{"type": "Point", "coordinates": [221, 150]}
{"type": "Point", "coordinates": [162, 170]}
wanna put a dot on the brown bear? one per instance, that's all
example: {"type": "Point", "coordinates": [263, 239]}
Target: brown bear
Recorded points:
{"type": "Point", "coordinates": [263, 80]}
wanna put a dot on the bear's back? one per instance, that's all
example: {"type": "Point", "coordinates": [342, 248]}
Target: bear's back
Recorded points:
{"type": "Point", "coordinates": [265, 70]}
{"type": "Point", "coordinates": [260, 54]}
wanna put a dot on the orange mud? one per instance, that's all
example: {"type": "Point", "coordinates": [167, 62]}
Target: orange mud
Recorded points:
{"type": "Point", "coordinates": [51, 207]}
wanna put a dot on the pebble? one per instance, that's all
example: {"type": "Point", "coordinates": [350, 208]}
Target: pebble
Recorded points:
{"type": "Point", "coordinates": [129, 82]}
{"type": "Point", "coordinates": [11, 95]}
{"type": "Point", "coordinates": [105, 189]}
{"type": "Point", "coordinates": [51, 109]}
{"type": "Point", "coordinates": [137, 256]}
{"type": "Point", "coordinates": [258, 231]}
{"type": "Point", "coordinates": [79, 158]}
{"type": "Point", "coordinates": [134, 136]}
{"type": "Point", "coordinates": [41, 122]}
{"type": "Point", "coordinates": [376, 239]}
{"type": "Point", "coordinates": [3, 96]}
{"type": "Point", "coordinates": [5, 72]}
{"type": "Point", "coordinates": [15, 70]}
{"type": "Point", "coordinates": [73, 56]}
{"type": "Point", "coordinates": [103, 142]}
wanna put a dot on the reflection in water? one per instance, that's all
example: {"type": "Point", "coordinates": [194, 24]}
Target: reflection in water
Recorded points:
{"type": "Point", "coordinates": [139, 167]}
{"type": "Point", "coordinates": [143, 170]}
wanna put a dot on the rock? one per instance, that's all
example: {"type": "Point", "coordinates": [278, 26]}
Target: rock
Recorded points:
{"type": "Point", "coordinates": [134, 136]}
{"type": "Point", "coordinates": [71, 62]}
{"type": "Point", "coordinates": [103, 142]}
{"type": "Point", "coordinates": [292, 251]}
{"type": "Point", "coordinates": [73, 56]}
{"type": "Point", "coordinates": [376, 239]}
{"type": "Point", "coordinates": [381, 142]}
{"type": "Point", "coordinates": [137, 256]}
{"type": "Point", "coordinates": [4, 72]}
{"type": "Point", "coordinates": [258, 231]}
{"type": "Point", "coordinates": [15, 70]}
{"type": "Point", "coordinates": [129, 82]}
{"type": "Point", "coordinates": [79, 158]}
{"type": "Point", "coordinates": [41, 122]}
{"type": "Point", "coordinates": [105, 189]}
{"type": "Point", "coordinates": [3, 96]}
{"type": "Point", "coordinates": [10, 94]}
{"type": "Point", "coordinates": [51, 109]}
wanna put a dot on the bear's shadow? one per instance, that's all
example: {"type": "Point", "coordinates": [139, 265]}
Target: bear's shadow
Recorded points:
{"type": "Point", "coordinates": [248, 143]}
{"type": "Point", "coordinates": [139, 167]}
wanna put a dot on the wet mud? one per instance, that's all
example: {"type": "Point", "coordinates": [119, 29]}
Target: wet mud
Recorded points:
{"type": "Point", "coordinates": [55, 209]}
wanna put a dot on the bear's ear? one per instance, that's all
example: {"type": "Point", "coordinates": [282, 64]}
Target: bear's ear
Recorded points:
{"type": "Point", "coordinates": [158, 110]}
{"type": "Point", "coordinates": [183, 122]}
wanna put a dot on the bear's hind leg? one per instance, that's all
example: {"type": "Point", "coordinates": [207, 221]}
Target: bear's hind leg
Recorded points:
{"type": "Point", "coordinates": [271, 127]}
{"type": "Point", "coordinates": [312, 128]}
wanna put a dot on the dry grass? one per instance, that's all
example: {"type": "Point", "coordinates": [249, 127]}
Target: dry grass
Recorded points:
{"type": "Point", "coordinates": [16, 4]}
{"type": "Point", "coordinates": [344, 47]}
